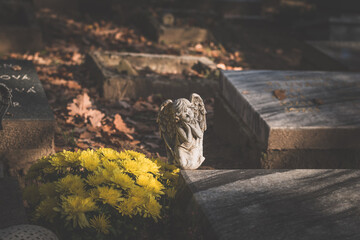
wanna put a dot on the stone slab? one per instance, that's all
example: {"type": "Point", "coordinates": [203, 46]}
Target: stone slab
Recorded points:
{"type": "Point", "coordinates": [320, 110]}
{"type": "Point", "coordinates": [11, 204]}
{"type": "Point", "coordinates": [274, 204]}
{"type": "Point", "coordinates": [346, 53]}
{"type": "Point", "coordinates": [19, 29]}
{"type": "Point", "coordinates": [253, 154]}
{"type": "Point", "coordinates": [28, 132]}
{"type": "Point", "coordinates": [165, 78]}
{"type": "Point", "coordinates": [183, 35]}
{"type": "Point", "coordinates": [341, 28]}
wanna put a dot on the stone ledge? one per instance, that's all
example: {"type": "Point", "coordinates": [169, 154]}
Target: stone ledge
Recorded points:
{"type": "Point", "coordinates": [166, 77]}
{"type": "Point", "coordinates": [318, 110]}
{"type": "Point", "coordinates": [232, 129]}
{"type": "Point", "coordinates": [276, 204]}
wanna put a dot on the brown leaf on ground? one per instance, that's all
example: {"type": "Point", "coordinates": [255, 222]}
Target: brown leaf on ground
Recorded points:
{"type": "Point", "coordinates": [82, 145]}
{"type": "Point", "coordinates": [144, 106]}
{"type": "Point", "coordinates": [95, 117]}
{"type": "Point", "coordinates": [70, 83]}
{"type": "Point", "coordinates": [86, 135]}
{"type": "Point", "coordinates": [318, 101]}
{"type": "Point", "coordinates": [80, 105]}
{"type": "Point", "coordinates": [121, 126]}
{"type": "Point", "coordinates": [280, 94]}
{"type": "Point", "coordinates": [135, 142]}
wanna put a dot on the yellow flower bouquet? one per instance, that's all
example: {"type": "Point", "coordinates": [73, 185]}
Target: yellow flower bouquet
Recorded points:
{"type": "Point", "coordinates": [99, 194]}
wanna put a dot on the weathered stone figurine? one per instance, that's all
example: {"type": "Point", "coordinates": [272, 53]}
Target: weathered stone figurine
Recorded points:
{"type": "Point", "coordinates": [182, 125]}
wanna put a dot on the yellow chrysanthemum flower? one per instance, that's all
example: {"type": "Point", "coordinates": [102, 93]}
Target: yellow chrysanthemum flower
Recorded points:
{"type": "Point", "coordinates": [89, 160]}
{"type": "Point", "coordinates": [124, 156]}
{"type": "Point", "coordinates": [138, 164]}
{"type": "Point", "coordinates": [72, 157]}
{"type": "Point", "coordinates": [101, 223]}
{"type": "Point", "coordinates": [46, 209]}
{"type": "Point", "coordinates": [150, 183]}
{"type": "Point", "coordinates": [107, 175]}
{"type": "Point", "coordinates": [122, 179]}
{"type": "Point", "coordinates": [110, 165]}
{"type": "Point", "coordinates": [131, 206]}
{"type": "Point", "coordinates": [109, 195]}
{"type": "Point", "coordinates": [135, 155]}
{"type": "Point", "coordinates": [95, 179]}
{"type": "Point", "coordinates": [75, 207]}
{"type": "Point", "coordinates": [72, 184]}
{"type": "Point", "coordinates": [152, 209]}
{"type": "Point", "coordinates": [48, 190]}
{"type": "Point", "coordinates": [108, 153]}
{"type": "Point", "coordinates": [58, 161]}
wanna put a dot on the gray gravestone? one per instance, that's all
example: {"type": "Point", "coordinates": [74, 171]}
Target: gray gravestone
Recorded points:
{"type": "Point", "coordinates": [340, 28]}
{"type": "Point", "coordinates": [163, 75]}
{"type": "Point", "coordinates": [28, 127]}
{"type": "Point", "coordinates": [346, 53]}
{"type": "Point", "coordinates": [273, 204]}
{"type": "Point", "coordinates": [310, 113]}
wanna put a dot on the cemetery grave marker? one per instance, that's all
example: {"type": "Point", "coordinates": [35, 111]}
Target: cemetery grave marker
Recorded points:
{"type": "Point", "coordinates": [28, 125]}
{"type": "Point", "coordinates": [300, 119]}
{"type": "Point", "coordinates": [341, 28]}
{"type": "Point", "coordinates": [121, 75]}
{"type": "Point", "coordinates": [169, 28]}
{"type": "Point", "coordinates": [273, 204]}
{"type": "Point", "coordinates": [346, 53]}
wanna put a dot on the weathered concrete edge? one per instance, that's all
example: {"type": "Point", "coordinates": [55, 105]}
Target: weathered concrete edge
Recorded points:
{"type": "Point", "coordinates": [190, 208]}
{"type": "Point", "coordinates": [202, 59]}
{"type": "Point", "coordinates": [206, 185]}
{"type": "Point", "coordinates": [244, 110]}
{"type": "Point", "coordinates": [275, 138]}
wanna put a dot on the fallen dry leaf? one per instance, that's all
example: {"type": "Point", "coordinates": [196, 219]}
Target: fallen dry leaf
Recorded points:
{"type": "Point", "coordinates": [95, 117]}
{"type": "Point", "coordinates": [318, 101]}
{"type": "Point", "coordinates": [86, 135]}
{"type": "Point", "coordinates": [80, 105]}
{"type": "Point", "coordinates": [280, 94]}
{"type": "Point", "coordinates": [121, 126]}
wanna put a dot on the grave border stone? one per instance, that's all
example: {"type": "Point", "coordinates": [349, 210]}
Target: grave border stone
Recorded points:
{"type": "Point", "coordinates": [274, 203]}
{"type": "Point", "coordinates": [234, 126]}
{"type": "Point", "coordinates": [115, 86]}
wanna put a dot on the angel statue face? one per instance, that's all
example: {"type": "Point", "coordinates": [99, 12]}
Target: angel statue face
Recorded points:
{"type": "Point", "coordinates": [183, 110]}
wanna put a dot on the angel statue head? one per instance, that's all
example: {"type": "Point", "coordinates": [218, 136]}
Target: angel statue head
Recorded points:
{"type": "Point", "coordinates": [183, 110]}
{"type": "Point", "coordinates": [182, 125]}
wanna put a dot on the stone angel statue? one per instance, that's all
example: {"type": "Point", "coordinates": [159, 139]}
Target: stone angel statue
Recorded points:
{"type": "Point", "coordinates": [182, 125]}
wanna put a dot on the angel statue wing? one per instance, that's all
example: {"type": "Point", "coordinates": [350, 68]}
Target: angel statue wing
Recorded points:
{"type": "Point", "coordinates": [5, 101]}
{"type": "Point", "coordinates": [167, 125]}
{"type": "Point", "coordinates": [199, 110]}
